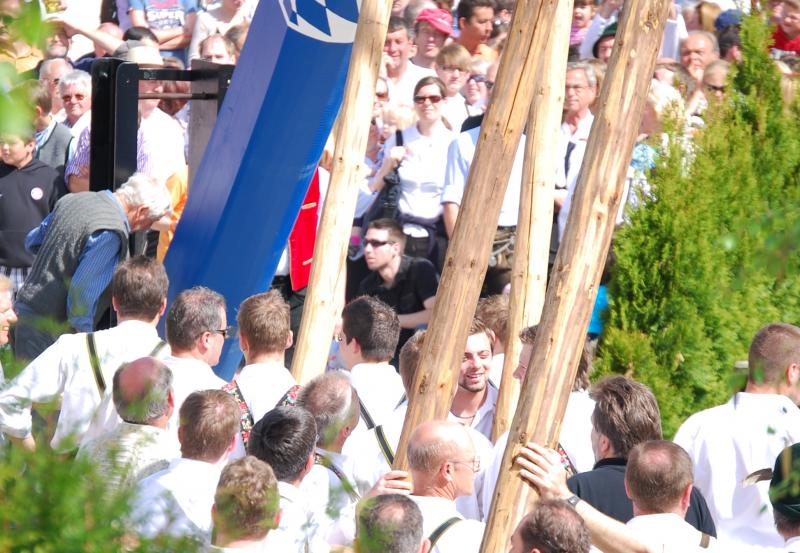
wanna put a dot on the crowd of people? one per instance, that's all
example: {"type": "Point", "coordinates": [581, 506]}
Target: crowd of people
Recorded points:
{"type": "Point", "coordinates": [260, 463]}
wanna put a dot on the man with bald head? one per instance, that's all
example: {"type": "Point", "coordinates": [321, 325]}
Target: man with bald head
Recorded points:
{"type": "Point", "coordinates": [139, 446]}
{"type": "Point", "coordinates": [697, 50]}
{"type": "Point", "coordinates": [443, 463]}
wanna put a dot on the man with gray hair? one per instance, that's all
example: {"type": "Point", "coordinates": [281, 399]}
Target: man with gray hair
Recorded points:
{"type": "Point", "coordinates": [78, 246]}
{"type": "Point", "coordinates": [139, 446]}
{"type": "Point", "coordinates": [390, 523]}
{"type": "Point", "coordinates": [580, 91]}
{"type": "Point", "coordinates": [75, 91]}
{"type": "Point", "coordinates": [197, 327]}
{"type": "Point", "coordinates": [697, 50]}
{"type": "Point", "coordinates": [443, 463]}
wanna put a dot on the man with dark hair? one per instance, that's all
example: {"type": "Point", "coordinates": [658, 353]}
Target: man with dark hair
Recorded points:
{"type": "Point", "coordinates": [370, 330]}
{"type": "Point", "coordinates": [658, 480]}
{"type": "Point", "coordinates": [177, 500]}
{"type": "Point", "coordinates": [390, 523]}
{"type": "Point", "coordinates": [475, 399]}
{"type": "Point", "coordinates": [196, 331]}
{"type": "Point", "coordinates": [475, 20]}
{"type": "Point", "coordinates": [264, 337]}
{"type": "Point", "coordinates": [78, 367]}
{"type": "Point", "coordinates": [285, 438]}
{"type": "Point", "coordinates": [245, 506]}
{"type": "Point", "coordinates": [407, 285]}
{"type": "Point", "coordinates": [625, 414]}
{"type": "Point", "coordinates": [139, 446]}
{"type": "Point", "coordinates": [401, 75]}
{"type": "Point", "coordinates": [728, 442]}
{"type": "Point", "coordinates": [552, 526]}
{"type": "Point", "coordinates": [785, 497]}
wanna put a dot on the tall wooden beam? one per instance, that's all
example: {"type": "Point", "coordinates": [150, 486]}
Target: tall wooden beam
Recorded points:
{"type": "Point", "coordinates": [469, 250]}
{"type": "Point", "coordinates": [578, 266]}
{"type": "Point", "coordinates": [330, 251]}
{"type": "Point", "coordinates": [532, 246]}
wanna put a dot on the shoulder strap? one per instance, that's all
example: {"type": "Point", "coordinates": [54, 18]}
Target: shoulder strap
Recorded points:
{"type": "Point", "coordinates": [398, 135]}
{"type": "Point", "coordinates": [289, 399]}
{"type": "Point", "coordinates": [383, 443]}
{"type": "Point", "coordinates": [346, 485]}
{"type": "Point", "coordinates": [441, 529]}
{"type": "Point", "coordinates": [365, 415]}
{"type": "Point", "coordinates": [246, 421]}
{"type": "Point", "coordinates": [95, 362]}
{"type": "Point", "coordinates": [156, 350]}
{"type": "Point", "coordinates": [705, 540]}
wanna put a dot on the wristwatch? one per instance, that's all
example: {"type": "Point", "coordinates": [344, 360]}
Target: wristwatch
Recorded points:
{"type": "Point", "coordinates": [573, 500]}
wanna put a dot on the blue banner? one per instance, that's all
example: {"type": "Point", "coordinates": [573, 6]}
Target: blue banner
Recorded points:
{"type": "Point", "coordinates": [280, 107]}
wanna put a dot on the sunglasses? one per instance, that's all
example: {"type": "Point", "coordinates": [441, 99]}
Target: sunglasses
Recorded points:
{"type": "Point", "coordinates": [78, 97]}
{"type": "Point", "coordinates": [376, 243]}
{"type": "Point", "coordinates": [435, 99]}
{"type": "Point", "coordinates": [229, 332]}
{"type": "Point", "coordinates": [477, 78]}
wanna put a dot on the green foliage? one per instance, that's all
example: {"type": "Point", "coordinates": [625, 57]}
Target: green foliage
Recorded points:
{"type": "Point", "coordinates": [52, 504]}
{"type": "Point", "coordinates": [711, 256]}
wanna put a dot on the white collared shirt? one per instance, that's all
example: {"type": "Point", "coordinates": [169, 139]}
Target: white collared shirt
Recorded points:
{"type": "Point", "coordinates": [463, 537]}
{"type": "Point", "coordinates": [727, 443]}
{"type": "Point", "coordinates": [484, 416]}
{"type": "Point", "coordinates": [299, 530]}
{"type": "Point", "coordinates": [379, 388]}
{"type": "Point", "coordinates": [63, 371]}
{"type": "Point", "coordinates": [177, 500]}
{"type": "Point", "coordinates": [130, 453]}
{"type": "Point", "coordinates": [189, 375]}
{"type": "Point", "coordinates": [568, 180]}
{"type": "Point", "coordinates": [459, 160]}
{"type": "Point", "coordinates": [668, 532]}
{"type": "Point", "coordinates": [792, 545]}
{"type": "Point", "coordinates": [262, 385]}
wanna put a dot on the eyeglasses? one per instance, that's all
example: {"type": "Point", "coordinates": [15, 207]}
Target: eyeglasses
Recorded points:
{"type": "Point", "coordinates": [78, 97]}
{"type": "Point", "coordinates": [452, 69]}
{"type": "Point", "coordinates": [382, 95]}
{"type": "Point", "coordinates": [575, 87]}
{"type": "Point", "coordinates": [376, 243]}
{"type": "Point", "coordinates": [477, 78]}
{"type": "Point", "coordinates": [489, 85]}
{"type": "Point", "coordinates": [229, 332]}
{"type": "Point", "coordinates": [435, 99]}
{"type": "Point", "coordinates": [475, 463]}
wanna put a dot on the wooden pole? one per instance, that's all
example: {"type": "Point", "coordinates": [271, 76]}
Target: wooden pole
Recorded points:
{"type": "Point", "coordinates": [578, 266]}
{"type": "Point", "coordinates": [330, 250]}
{"type": "Point", "coordinates": [469, 250]}
{"type": "Point", "coordinates": [535, 220]}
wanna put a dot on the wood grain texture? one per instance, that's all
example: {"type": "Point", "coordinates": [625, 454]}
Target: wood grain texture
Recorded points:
{"type": "Point", "coordinates": [534, 223]}
{"type": "Point", "coordinates": [468, 253]}
{"type": "Point", "coordinates": [576, 275]}
{"type": "Point", "coordinates": [328, 267]}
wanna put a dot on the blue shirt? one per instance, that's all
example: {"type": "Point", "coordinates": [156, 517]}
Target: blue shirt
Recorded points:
{"type": "Point", "coordinates": [96, 265]}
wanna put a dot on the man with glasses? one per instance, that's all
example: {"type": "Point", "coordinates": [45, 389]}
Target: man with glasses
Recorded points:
{"type": "Point", "coordinates": [75, 91]}
{"type": "Point", "coordinates": [443, 463]}
{"type": "Point", "coordinates": [196, 331]}
{"type": "Point", "coordinates": [406, 284]}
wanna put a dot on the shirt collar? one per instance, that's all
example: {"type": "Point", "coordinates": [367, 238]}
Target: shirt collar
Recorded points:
{"type": "Point", "coordinates": [119, 206]}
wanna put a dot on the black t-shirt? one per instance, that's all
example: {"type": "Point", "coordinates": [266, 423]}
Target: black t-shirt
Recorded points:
{"type": "Point", "coordinates": [415, 282]}
{"type": "Point", "coordinates": [27, 195]}
{"type": "Point", "coordinates": [604, 489]}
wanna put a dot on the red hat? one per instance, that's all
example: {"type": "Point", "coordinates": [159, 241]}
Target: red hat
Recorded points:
{"type": "Point", "coordinates": [440, 19]}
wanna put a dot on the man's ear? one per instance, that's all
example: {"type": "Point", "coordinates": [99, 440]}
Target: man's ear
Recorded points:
{"type": "Point", "coordinates": [792, 374]}
{"type": "Point", "coordinates": [426, 546]}
{"type": "Point", "coordinates": [627, 489]}
{"type": "Point", "coordinates": [290, 339]}
{"type": "Point", "coordinates": [243, 345]}
{"type": "Point", "coordinates": [462, 21]}
{"type": "Point", "coordinates": [163, 307]}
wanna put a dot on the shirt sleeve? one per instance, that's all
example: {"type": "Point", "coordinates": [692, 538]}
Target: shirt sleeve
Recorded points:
{"type": "Point", "coordinates": [96, 266]}
{"type": "Point", "coordinates": [425, 278]}
{"type": "Point", "coordinates": [42, 381]}
{"type": "Point", "coordinates": [455, 174]}
{"type": "Point", "coordinates": [81, 156]}
{"type": "Point", "coordinates": [136, 5]}
{"type": "Point", "coordinates": [35, 237]}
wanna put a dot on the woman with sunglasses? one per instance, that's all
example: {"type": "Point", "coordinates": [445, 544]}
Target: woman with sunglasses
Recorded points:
{"type": "Point", "coordinates": [420, 163]}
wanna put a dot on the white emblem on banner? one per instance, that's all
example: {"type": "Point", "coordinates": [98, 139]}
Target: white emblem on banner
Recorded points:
{"type": "Point", "coordinates": [324, 20]}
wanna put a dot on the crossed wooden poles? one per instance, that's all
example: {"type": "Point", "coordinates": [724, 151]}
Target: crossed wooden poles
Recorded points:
{"type": "Point", "coordinates": [528, 93]}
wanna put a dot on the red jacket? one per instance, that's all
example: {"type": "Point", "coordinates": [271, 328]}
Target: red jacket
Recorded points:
{"type": "Point", "coordinates": [304, 236]}
{"type": "Point", "coordinates": [782, 42]}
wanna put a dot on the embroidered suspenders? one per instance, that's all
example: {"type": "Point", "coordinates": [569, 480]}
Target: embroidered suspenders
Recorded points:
{"type": "Point", "coordinates": [246, 422]}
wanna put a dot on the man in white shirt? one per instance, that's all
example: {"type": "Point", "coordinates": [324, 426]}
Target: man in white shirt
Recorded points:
{"type": "Point", "coordinates": [401, 75]}
{"type": "Point", "coordinates": [196, 331]}
{"type": "Point", "coordinates": [285, 438]}
{"type": "Point", "coordinates": [442, 460]}
{"type": "Point", "coordinates": [177, 500]}
{"type": "Point", "coordinates": [475, 399]}
{"type": "Point", "coordinates": [658, 480]}
{"type": "Point", "coordinates": [370, 331]}
{"type": "Point", "coordinates": [390, 522]}
{"type": "Point", "coordinates": [264, 337]}
{"type": "Point", "coordinates": [333, 402]}
{"type": "Point", "coordinates": [245, 507]}
{"type": "Point", "coordinates": [139, 446]}
{"type": "Point", "coordinates": [728, 442]}
{"type": "Point", "coordinates": [67, 371]}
